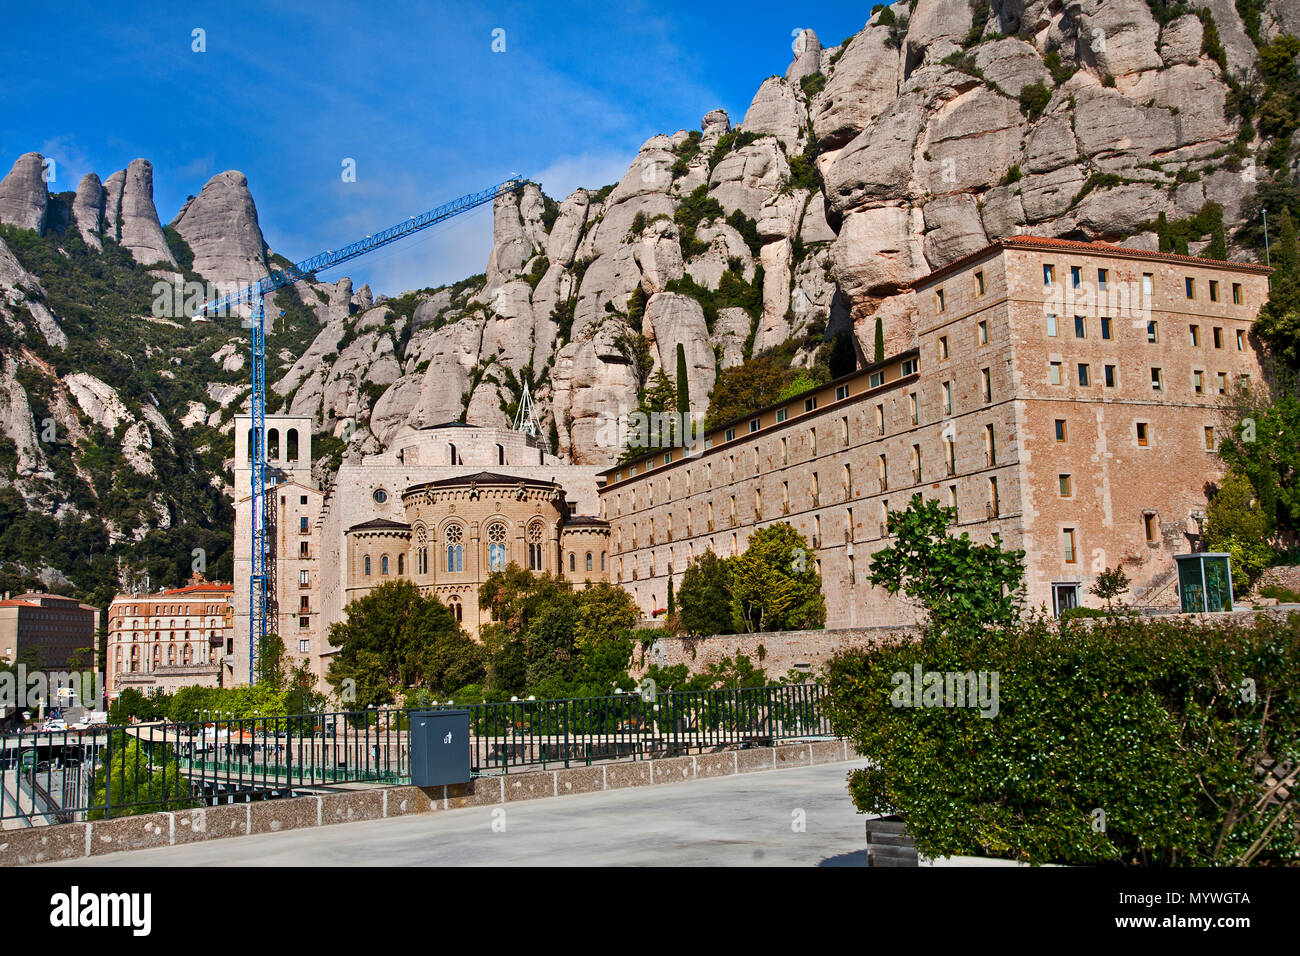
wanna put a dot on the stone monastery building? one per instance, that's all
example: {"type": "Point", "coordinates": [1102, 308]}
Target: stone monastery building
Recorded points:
{"type": "Point", "coordinates": [1065, 397]}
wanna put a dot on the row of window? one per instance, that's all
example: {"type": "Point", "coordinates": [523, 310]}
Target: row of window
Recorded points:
{"type": "Point", "coordinates": [1110, 377]}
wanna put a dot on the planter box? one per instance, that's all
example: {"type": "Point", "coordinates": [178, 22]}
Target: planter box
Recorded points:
{"type": "Point", "coordinates": [888, 843]}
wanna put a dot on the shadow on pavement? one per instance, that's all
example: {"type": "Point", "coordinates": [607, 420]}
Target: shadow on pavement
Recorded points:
{"type": "Point", "coordinates": [855, 858]}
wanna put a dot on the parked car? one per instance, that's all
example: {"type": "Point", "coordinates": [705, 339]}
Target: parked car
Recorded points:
{"type": "Point", "coordinates": [56, 724]}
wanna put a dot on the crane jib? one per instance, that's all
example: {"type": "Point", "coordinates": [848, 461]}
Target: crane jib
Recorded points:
{"type": "Point", "coordinates": [279, 278]}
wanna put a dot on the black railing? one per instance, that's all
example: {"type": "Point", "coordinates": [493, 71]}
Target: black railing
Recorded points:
{"type": "Point", "coordinates": [61, 776]}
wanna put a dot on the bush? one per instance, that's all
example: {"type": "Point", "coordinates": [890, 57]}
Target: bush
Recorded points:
{"type": "Point", "coordinates": [1034, 99]}
{"type": "Point", "coordinates": [1167, 727]}
{"type": "Point", "coordinates": [1280, 594]}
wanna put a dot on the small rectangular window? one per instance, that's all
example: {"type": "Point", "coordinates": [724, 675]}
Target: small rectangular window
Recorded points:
{"type": "Point", "coordinates": [841, 392]}
{"type": "Point", "coordinates": [1152, 332]}
{"type": "Point", "coordinates": [1076, 276]}
{"type": "Point", "coordinates": [1143, 435]}
{"type": "Point", "coordinates": [1198, 381]}
{"type": "Point", "coordinates": [809, 403]}
{"type": "Point", "coordinates": [1157, 383]}
{"type": "Point", "coordinates": [1151, 526]}
{"type": "Point", "coordinates": [1105, 327]}
{"type": "Point", "coordinates": [1063, 485]}
{"type": "Point", "coordinates": [1223, 383]}
{"type": "Point", "coordinates": [939, 304]}
{"type": "Point", "coordinates": [979, 283]}
{"type": "Point", "coordinates": [1189, 286]}
{"type": "Point", "coordinates": [1241, 341]}
{"type": "Point", "coordinates": [1054, 373]}
{"type": "Point", "coordinates": [1110, 376]}
{"type": "Point", "coordinates": [780, 415]}
{"type": "Point", "coordinates": [876, 380]}
{"type": "Point", "coordinates": [1068, 539]}
{"type": "Point", "coordinates": [729, 435]}
{"type": "Point", "coordinates": [754, 425]}
{"type": "Point", "coordinates": [1148, 284]}
{"type": "Point", "coordinates": [1214, 290]}
{"type": "Point", "coordinates": [1209, 438]}
{"type": "Point", "coordinates": [1060, 429]}
{"type": "Point", "coordinates": [1102, 276]}
{"type": "Point", "coordinates": [1051, 326]}
{"type": "Point", "coordinates": [880, 418]}
{"type": "Point", "coordinates": [1083, 374]}
{"type": "Point", "coordinates": [943, 347]}
{"type": "Point", "coordinates": [907, 368]}
{"type": "Point", "coordinates": [1049, 275]}
{"type": "Point", "coordinates": [1236, 293]}
{"type": "Point", "coordinates": [987, 376]}
{"type": "Point", "coordinates": [947, 398]}
{"type": "Point", "coordinates": [1080, 327]}
{"type": "Point", "coordinates": [983, 332]}
{"type": "Point", "coordinates": [1218, 338]}
{"type": "Point", "coordinates": [1194, 333]}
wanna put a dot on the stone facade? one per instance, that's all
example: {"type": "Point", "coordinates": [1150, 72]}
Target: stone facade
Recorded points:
{"type": "Point", "coordinates": [51, 626]}
{"type": "Point", "coordinates": [395, 512]}
{"type": "Point", "coordinates": [969, 415]}
{"type": "Point", "coordinates": [170, 639]}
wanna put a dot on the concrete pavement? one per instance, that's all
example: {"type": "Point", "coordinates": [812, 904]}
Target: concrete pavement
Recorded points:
{"type": "Point", "coordinates": [797, 817]}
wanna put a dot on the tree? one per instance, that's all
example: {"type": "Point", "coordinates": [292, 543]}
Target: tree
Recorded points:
{"type": "Point", "coordinates": [1264, 445]}
{"type": "Point", "coordinates": [683, 386]}
{"type": "Point", "coordinates": [397, 638]}
{"type": "Point", "coordinates": [270, 662]}
{"type": "Point", "coordinates": [705, 596]}
{"type": "Point", "coordinates": [1235, 523]}
{"type": "Point", "coordinates": [1278, 322]}
{"type": "Point", "coordinates": [774, 583]}
{"type": "Point", "coordinates": [1110, 584]}
{"type": "Point", "coordinates": [879, 353]}
{"type": "Point", "coordinates": [963, 586]}
{"type": "Point", "coordinates": [135, 779]}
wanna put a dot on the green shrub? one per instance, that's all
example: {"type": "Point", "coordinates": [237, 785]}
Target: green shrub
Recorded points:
{"type": "Point", "coordinates": [1034, 99]}
{"type": "Point", "coordinates": [1163, 726]}
{"type": "Point", "coordinates": [1280, 594]}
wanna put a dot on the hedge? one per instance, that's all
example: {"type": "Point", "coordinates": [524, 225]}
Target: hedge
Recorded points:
{"type": "Point", "coordinates": [1122, 741]}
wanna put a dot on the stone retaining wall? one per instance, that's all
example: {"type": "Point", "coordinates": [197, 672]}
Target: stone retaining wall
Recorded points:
{"type": "Point", "coordinates": [781, 652]}
{"type": "Point", "coordinates": [68, 841]}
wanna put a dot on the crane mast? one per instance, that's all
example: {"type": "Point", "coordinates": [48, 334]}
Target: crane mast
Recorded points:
{"type": "Point", "coordinates": [262, 567]}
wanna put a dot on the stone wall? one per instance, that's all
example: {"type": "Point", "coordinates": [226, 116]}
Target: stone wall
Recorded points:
{"type": "Point", "coordinates": [777, 652]}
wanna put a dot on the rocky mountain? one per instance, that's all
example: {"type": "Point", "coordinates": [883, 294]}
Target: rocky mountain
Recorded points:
{"type": "Point", "coordinates": [938, 127]}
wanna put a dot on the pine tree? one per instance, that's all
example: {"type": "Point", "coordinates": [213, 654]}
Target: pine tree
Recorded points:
{"type": "Point", "coordinates": [1286, 254]}
{"type": "Point", "coordinates": [880, 340]}
{"type": "Point", "coordinates": [683, 395]}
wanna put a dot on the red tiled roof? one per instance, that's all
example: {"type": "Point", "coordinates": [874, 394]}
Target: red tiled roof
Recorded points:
{"type": "Point", "coordinates": [191, 588]}
{"type": "Point", "coordinates": [1093, 248]}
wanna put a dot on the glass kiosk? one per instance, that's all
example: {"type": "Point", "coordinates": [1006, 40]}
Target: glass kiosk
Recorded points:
{"type": "Point", "coordinates": [1204, 582]}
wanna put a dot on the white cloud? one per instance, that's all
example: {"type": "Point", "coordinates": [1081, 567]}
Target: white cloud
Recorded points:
{"type": "Point", "coordinates": [587, 170]}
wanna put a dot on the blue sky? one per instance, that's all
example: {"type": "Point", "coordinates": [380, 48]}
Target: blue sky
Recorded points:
{"type": "Point", "coordinates": [413, 93]}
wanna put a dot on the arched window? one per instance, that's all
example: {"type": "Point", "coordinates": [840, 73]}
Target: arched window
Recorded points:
{"type": "Point", "coordinates": [135, 658]}
{"type": "Point", "coordinates": [272, 444]}
{"type": "Point", "coordinates": [573, 561]}
{"type": "Point", "coordinates": [588, 560]}
{"type": "Point", "coordinates": [367, 565]}
{"type": "Point", "coordinates": [535, 533]}
{"type": "Point", "coordinates": [401, 565]}
{"type": "Point", "coordinates": [187, 655]}
{"type": "Point", "coordinates": [421, 551]}
{"type": "Point", "coordinates": [455, 548]}
{"type": "Point", "coordinates": [453, 603]}
{"type": "Point", "coordinates": [496, 534]}
{"type": "Point", "coordinates": [451, 450]}
{"type": "Point", "coordinates": [501, 455]}
{"type": "Point", "coordinates": [383, 565]}
{"type": "Point", "coordinates": [171, 655]}
{"type": "Point", "coordinates": [602, 560]}
{"type": "Point", "coordinates": [157, 656]}
{"type": "Point", "coordinates": [291, 444]}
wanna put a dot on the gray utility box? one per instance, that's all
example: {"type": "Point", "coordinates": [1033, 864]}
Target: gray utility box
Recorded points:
{"type": "Point", "coordinates": [439, 747]}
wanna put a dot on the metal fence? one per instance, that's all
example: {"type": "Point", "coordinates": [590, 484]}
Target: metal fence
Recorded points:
{"type": "Point", "coordinates": [62, 776]}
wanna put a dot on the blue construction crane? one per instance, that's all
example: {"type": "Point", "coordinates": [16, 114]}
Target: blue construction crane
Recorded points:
{"type": "Point", "coordinates": [254, 295]}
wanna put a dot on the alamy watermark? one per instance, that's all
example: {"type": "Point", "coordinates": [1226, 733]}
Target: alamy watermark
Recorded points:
{"type": "Point", "coordinates": [976, 690]}
{"type": "Point", "coordinates": [22, 689]}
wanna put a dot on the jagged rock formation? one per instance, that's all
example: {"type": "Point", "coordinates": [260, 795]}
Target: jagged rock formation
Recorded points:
{"type": "Point", "coordinates": [220, 225]}
{"type": "Point", "coordinates": [938, 127]}
{"type": "Point", "coordinates": [23, 197]}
